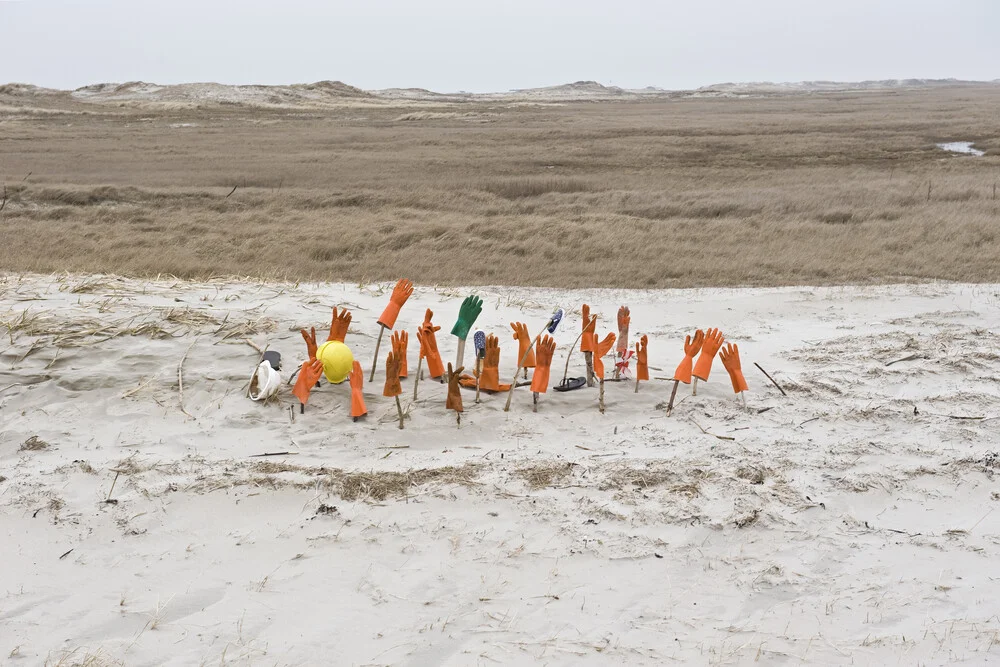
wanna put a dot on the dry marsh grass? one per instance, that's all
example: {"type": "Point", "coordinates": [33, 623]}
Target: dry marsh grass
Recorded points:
{"type": "Point", "coordinates": [799, 189]}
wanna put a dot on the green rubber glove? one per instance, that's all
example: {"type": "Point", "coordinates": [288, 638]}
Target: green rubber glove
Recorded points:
{"type": "Point", "coordinates": [467, 315]}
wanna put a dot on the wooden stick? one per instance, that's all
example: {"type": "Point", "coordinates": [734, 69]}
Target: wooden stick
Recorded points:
{"type": "Point", "coordinates": [460, 357]}
{"type": "Point", "coordinates": [600, 401]}
{"type": "Point", "coordinates": [416, 381]}
{"type": "Point", "coordinates": [589, 357]}
{"type": "Point", "coordinates": [720, 437]}
{"type": "Point", "coordinates": [513, 382]}
{"type": "Point", "coordinates": [673, 394]}
{"type": "Point", "coordinates": [378, 343]}
{"type": "Point", "coordinates": [479, 372]}
{"type": "Point", "coordinates": [694, 386]}
{"type": "Point", "coordinates": [909, 358]}
{"type": "Point", "coordinates": [399, 409]}
{"type": "Point", "coordinates": [637, 380]}
{"type": "Point", "coordinates": [771, 379]}
{"type": "Point", "coordinates": [534, 401]}
{"type": "Point", "coordinates": [117, 472]}
{"type": "Point", "coordinates": [572, 349]}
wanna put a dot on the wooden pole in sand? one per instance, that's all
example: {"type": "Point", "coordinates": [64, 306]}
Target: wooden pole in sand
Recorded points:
{"type": "Point", "coordinates": [673, 395]}
{"type": "Point", "coordinates": [694, 386]}
{"type": "Point", "coordinates": [378, 343]}
{"type": "Point", "coordinates": [600, 400]}
{"type": "Point", "coordinates": [571, 349]}
{"type": "Point", "coordinates": [416, 382]}
{"type": "Point", "coordinates": [479, 372]}
{"type": "Point", "coordinates": [399, 409]}
{"type": "Point", "coordinates": [460, 357]}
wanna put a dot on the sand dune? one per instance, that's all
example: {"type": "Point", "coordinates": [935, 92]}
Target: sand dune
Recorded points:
{"type": "Point", "coordinates": [336, 94]}
{"type": "Point", "coordinates": [852, 520]}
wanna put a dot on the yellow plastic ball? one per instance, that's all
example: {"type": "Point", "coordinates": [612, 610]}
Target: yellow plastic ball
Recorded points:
{"type": "Point", "coordinates": [337, 360]}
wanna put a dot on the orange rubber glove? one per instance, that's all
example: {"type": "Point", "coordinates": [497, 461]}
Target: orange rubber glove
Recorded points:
{"type": "Point", "coordinates": [310, 339]}
{"type": "Point", "coordinates": [400, 293]}
{"type": "Point", "coordinates": [392, 386]}
{"type": "Point", "coordinates": [586, 342]}
{"type": "Point", "coordinates": [308, 377]}
{"type": "Point", "coordinates": [730, 356]}
{"type": "Point", "coordinates": [642, 356]}
{"type": "Point", "coordinates": [454, 400]}
{"type": "Point", "coordinates": [691, 348]}
{"type": "Point", "coordinates": [400, 339]}
{"type": "Point", "coordinates": [713, 341]}
{"type": "Point", "coordinates": [540, 379]}
{"type": "Point", "coordinates": [357, 377]}
{"type": "Point", "coordinates": [489, 378]}
{"type": "Point", "coordinates": [600, 349]}
{"type": "Point", "coordinates": [429, 346]}
{"type": "Point", "coordinates": [523, 339]}
{"type": "Point", "coordinates": [623, 321]}
{"type": "Point", "coordinates": [339, 324]}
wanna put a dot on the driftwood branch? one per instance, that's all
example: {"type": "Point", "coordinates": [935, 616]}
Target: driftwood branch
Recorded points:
{"type": "Point", "coordinates": [771, 379]}
{"type": "Point", "coordinates": [909, 358]}
{"type": "Point", "coordinates": [232, 191]}
{"type": "Point", "coordinates": [4, 201]}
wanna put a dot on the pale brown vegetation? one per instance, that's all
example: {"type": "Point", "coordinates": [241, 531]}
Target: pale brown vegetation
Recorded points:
{"type": "Point", "coordinates": [794, 189]}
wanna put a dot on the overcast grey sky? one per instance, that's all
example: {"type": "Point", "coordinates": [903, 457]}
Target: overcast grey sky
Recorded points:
{"type": "Point", "coordinates": [450, 45]}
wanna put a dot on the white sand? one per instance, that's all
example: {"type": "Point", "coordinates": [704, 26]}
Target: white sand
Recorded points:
{"type": "Point", "coordinates": [835, 527]}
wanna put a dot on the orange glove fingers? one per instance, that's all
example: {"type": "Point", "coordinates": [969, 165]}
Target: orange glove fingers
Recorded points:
{"type": "Point", "coordinates": [711, 345]}
{"type": "Point", "coordinates": [310, 339]}
{"type": "Point", "coordinates": [339, 325]}
{"type": "Point", "coordinates": [523, 344]}
{"type": "Point", "coordinates": [400, 293]}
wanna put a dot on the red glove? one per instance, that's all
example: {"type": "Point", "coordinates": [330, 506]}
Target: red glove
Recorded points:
{"type": "Point", "coordinates": [308, 377]}
{"type": "Point", "coordinates": [540, 379]}
{"type": "Point", "coordinates": [400, 293]}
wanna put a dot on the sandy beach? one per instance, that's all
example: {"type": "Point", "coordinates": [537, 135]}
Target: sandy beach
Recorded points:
{"type": "Point", "coordinates": [850, 522]}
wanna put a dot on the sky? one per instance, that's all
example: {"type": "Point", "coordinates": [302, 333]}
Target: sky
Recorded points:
{"type": "Point", "coordinates": [452, 45]}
